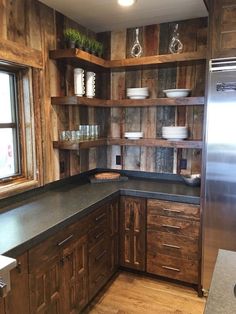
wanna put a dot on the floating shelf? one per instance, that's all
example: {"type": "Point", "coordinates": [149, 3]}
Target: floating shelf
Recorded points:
{"type": "Point", "coordinates": [95, 102]}
{"type": "Point", "coordinates": [128, 142]}
{"type": "Point", "coordinates": [81, 145]}
{"type": "Point", "coordinates": [85, 57]}
{"type": "Point", "coordinates": [155, 143]}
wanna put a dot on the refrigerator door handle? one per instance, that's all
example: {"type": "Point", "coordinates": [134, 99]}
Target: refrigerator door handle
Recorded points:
{"type": "Point", "coordinates": [235, 290]}
{"type": "Point", "coordinates": [226, 87]}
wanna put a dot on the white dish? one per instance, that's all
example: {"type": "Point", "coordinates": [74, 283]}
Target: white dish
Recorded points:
{"type": "Point", "coordinates": [177, 92]}
{"type": "Point", "coordinates": [175, 133]}
{"type": "Point", "coordinates": [137, 97]}
{"type": "Point", "coordinates": [133, 135]}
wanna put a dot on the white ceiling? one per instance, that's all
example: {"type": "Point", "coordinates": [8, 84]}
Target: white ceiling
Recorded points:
{"type": "Point", "coordinates": [105, 15]}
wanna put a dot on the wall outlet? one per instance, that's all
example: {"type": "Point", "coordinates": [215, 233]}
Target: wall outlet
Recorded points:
{"type": "Point", "coordinates": [183, 164]}
{"type": "Point", "coordinates": [118, 160]}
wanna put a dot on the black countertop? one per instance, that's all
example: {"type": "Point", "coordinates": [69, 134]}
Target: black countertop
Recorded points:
{"type": "Point", "coordinates": [222, 295]}
{"type": "Point", "coordinates": [32, 220]}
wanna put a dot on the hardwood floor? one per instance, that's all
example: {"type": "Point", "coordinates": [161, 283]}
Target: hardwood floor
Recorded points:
{"type": "Point", "coordinates": [134, 294]}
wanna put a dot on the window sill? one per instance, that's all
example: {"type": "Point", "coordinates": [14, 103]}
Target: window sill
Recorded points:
{"type": "Point", "coordinates": [17, 186]}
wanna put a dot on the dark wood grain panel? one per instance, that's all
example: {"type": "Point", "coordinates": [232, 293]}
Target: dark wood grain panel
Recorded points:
{"type": "Point", "coordinates": [172, 245]}
{"type": "Point", "coordinates": [172, 209]}
{"type": "Point", "coordinates": [172, 267]}
{"type": "Point", "coordinates": [132, 232]}
{"type": "Point", "coordinates": [174, 226]}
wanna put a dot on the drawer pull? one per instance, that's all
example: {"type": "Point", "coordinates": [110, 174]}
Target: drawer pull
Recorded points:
{"type": "Point", "coordinates": [171, 268]}
{"type": "Point", "coordinates": [65, 240]}
{"type": "Point", "coordinates": [170, 226]}
{"type": "Point", "coordinates": [171, 246]}
{"type": "Point", "coordinates": [97, 258]}
{"type": "Point", "coordinates": [172, 210]}
{"type": "Point", "coordinates": [97, 236]}
{"type": "Point", "coordinates": [100, 217]}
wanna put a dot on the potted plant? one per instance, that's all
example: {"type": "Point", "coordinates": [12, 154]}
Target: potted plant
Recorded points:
{"type": "Point", "coordinates": [94, 46]}
{"type": "Point", "coordinates": [71, 36]}
{"type": "Point", "coordinates": [79, 40]}
{"type": "Point", "coordinates": [100, 49]}
{"type": "Point", "coordinates": [87, 44]}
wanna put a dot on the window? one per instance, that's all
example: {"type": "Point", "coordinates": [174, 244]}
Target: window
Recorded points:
{"type": "Point", "coordinates": [9, 127]}
{"type": "Point", "coordinates": [20, 135]}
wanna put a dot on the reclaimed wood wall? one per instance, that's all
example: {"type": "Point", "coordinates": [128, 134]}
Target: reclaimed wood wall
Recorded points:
{"type": "Point", "coordinates": [155, 40]}
{"type": "Point", "coordinates": [31, 24]}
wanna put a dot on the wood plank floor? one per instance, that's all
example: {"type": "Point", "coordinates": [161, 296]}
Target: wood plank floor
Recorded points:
{"type": "Point", "coordinates": [134, 294]}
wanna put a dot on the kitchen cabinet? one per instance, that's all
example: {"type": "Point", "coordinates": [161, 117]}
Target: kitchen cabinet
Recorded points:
{"type": "Point", "coordinates": [17, 300]}
{"type": "Point", "coordinates": [222, 28]}
{"type": "Point", "coordinates": [75, 276]}
{"type": "Point", "coordinates": [58, 271]}
{"type": "Point", "coordinates": [132, 232]}
{"type": "Point", "coordinates": [173, 240]}
{"type": "Point", "coordinates": [2, 311]}
{"type": "Point", "coordinates": [113, 225]}
{"type": "Point", "coordinates": [98, 250]}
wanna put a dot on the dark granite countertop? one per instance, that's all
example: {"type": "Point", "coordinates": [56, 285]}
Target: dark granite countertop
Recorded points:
{"type": "Point", "coordinates": [32, 220]}
{"type": "Point", "coordinates": [222, 297]}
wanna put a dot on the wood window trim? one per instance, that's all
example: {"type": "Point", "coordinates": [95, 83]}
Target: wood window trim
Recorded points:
{"type": "Point", "coordinates": [29, 108]}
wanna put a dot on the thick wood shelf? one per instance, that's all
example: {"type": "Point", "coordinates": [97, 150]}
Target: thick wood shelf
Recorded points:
{"type": "Point", "coordinates": [95, 102]}
{"type": "Point", "coordinates": [128, 142]}
{"type": "Point", "coordinates": [155, 143]}
{"type": "Point", "coordinates": [83, 56]}
{"type": "Point", "coordinates": [81, 145]}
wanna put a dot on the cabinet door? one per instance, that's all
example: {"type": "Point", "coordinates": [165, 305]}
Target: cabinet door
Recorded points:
{"type": "Point", "coordinates": [133, 232]}
{"type": "Point", "coordinates": [45, 288]}
{"type": "Point", "coordinates": [75, 276]}
{"type": "Point", "coordinates": [2, 311]}
{"type": "Point", "coordinates": [223, 28]}
{"type": "Point", "coordinates": [113, 223]}
{"type": "Point", "coordinates": [17, 300]}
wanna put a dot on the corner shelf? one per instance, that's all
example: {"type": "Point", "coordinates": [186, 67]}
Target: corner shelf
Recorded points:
{"type": "Point", "coordinates": [194, 144]}
{"type": "Point", "coordinates": [82, 56]}
{"type": "Point", "coordinates": [95, 102]}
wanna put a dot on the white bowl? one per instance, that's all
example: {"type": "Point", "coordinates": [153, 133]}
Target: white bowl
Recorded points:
{"type": "Point", "coordinates": [177, 92]}
{"type": "Point", "coordinates": [133, 135]}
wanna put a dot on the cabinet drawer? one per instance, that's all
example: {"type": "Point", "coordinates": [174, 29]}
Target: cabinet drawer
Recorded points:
{"type": "Point", "coordinates": [172, 244]}
{"type": "Point", "coordinates": [172, 267]}
{"type": "Point", "coordinates": [49, 248]}
{"type": "Point", "coordinates": [98, 257]}
{"type": "Point", "coordinates": [98, 217]}
{"type": "Point", "coordinates": [175, 226]}
{"type": "Point", "coordinates": [97, 234]}
{"type": "Point", "coordinates": [96, 282]}
{"type": "Point", "coordinates": [172, 209]}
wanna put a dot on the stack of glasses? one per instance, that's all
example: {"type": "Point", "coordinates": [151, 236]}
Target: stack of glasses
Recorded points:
{"type": "Point", "coordinates": [85, 133]}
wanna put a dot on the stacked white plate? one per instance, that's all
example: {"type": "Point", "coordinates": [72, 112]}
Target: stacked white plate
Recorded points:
{"type": "Point", "coordinates": [174, 133]}
{"type": "Point", "coordinates": [184, 92]}
{"type": "Point", "coordinates": [133, 135]}
{"type": "Point", "coordinates": [137, 93]}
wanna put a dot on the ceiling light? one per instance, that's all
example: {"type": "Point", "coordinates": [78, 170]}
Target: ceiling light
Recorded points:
{"type": "Point", "coordinates": [126, 3]}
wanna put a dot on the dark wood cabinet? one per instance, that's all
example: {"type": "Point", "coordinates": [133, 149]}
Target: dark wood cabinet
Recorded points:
{"type": "Point", "coordinates": [133, 232]}
{"type": "Point", "coordinates": [173, 240]}
{"type": "Point", "coordinates": [222, 28]}
{"type": "Point", "coordinates": [113, 244]}
{"type": "Point", "coordinates": [2, 309]}
{"type": "Point", "coordinates": [17, 300]}
{"type": "Point", "coordinates": [74, 275]}
{"type": "Point", "coordinates": [58, 271]}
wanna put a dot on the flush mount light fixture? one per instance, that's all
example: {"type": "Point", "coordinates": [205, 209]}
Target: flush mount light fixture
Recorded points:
{"type": "Point", "coordinates": [126, 3]}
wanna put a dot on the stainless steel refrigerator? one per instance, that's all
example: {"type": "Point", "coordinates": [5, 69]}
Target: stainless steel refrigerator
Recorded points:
{"type": "Point", "coordinates": [219, 166]}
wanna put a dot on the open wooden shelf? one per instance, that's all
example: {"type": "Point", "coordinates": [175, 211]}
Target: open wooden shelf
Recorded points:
{"type": "Point", "coordinates": [95, 102]}
{"type": "Point", "coordinates": [155, 142]}
{"type": "Point", "coordinates": [128, 142]}
{"type": "Point", "coordinates": [83, 56]}
{"type": "Point", "coordinates": [81, 145]}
